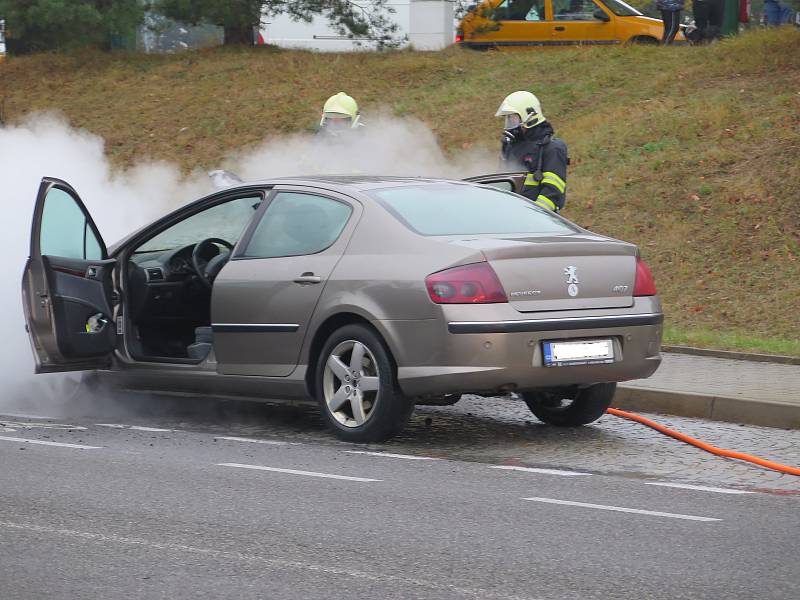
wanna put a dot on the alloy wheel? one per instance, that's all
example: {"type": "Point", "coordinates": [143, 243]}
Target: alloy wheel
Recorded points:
{"type": "Point", "coordinates": [350, 383]}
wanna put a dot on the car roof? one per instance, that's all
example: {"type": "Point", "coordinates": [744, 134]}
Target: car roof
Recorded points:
{"type": "Point", "coordinates": [351, 182]}
{"type": "Point", "coordinates": [340, 183]}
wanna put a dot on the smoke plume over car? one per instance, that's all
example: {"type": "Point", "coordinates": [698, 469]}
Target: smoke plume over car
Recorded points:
{"type": "Point", "coordinates": [123, 200]}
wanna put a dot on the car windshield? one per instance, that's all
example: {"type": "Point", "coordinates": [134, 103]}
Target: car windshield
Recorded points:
{"type": "Point", "coordinates": [465, 209]}
{"type": "Point", "coordinates": [619, 8]}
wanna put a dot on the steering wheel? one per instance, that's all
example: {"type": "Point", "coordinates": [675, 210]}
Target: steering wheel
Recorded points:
{"type": "Point", "coordinates": [207, 270]}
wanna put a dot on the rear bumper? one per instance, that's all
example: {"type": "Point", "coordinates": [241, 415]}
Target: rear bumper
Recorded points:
{"type": "Point", "coordinates": [419, 381]}
{"type": "Point", "coordinates": [457, 355]}
{"type": "Point", "coordinates": [555, 324]}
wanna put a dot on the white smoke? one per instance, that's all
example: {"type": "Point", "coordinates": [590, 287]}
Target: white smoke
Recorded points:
{"type": "Point", "coordinates": [385, 146]}
{"type": "Point", "coordinates": [122, 200]}
{"type": "Point", "coordinates": [44, 145]}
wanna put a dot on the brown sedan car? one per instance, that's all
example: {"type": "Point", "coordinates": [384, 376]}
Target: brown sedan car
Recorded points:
{"type": "Point", "coordinates": [369, 294]}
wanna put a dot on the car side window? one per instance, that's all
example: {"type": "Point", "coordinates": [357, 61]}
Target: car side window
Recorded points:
{"type": "Point", "coordinates": [64, 229]}
{"type": "Point", "coordinates": [574, 10]}
{"type": "Point", "coordinates": [295, 224]}
{"type": "Point", "coordinates": [519, 10]}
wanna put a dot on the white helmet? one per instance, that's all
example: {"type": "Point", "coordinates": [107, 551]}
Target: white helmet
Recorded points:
{"type": "Point", "coordinates": [521, 109]}
{"type": "Point", "coordinates": [340, 112]}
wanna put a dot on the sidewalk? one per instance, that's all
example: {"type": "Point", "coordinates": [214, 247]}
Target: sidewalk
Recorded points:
{"type": "Point", "coordinates": [722, 389]}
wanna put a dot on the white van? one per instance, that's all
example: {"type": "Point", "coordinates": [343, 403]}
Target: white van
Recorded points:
{"type": "Point", "coordinates": [2, 40]}
{"type": "Point", "coordinates": [424, 24]}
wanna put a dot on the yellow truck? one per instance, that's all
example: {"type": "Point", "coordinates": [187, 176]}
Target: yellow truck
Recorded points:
{"type": "Point", "coordinates": [532, 23]}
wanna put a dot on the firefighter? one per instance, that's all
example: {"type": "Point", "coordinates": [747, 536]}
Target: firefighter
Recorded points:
{"type": "Point", "coordinates": [528, 143]}
{"type": "Point", "coordinates": [340, 115]}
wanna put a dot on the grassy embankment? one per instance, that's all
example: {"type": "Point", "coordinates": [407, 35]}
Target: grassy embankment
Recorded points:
{"type": "Point", "coordinates": [693, 153]}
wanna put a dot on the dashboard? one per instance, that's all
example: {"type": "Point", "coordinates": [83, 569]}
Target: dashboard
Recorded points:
{"type": "Point", "coordinates": [163, 285]}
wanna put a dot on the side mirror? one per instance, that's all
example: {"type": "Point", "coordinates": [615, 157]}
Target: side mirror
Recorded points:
{"type": "Point", "coordinates": [601, 15]}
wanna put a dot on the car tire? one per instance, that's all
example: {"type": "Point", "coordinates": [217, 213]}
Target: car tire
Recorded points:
{"type": "Point", "coordinates": [580, 407]}
{"type": "Point", "coordinates": [360, 404]}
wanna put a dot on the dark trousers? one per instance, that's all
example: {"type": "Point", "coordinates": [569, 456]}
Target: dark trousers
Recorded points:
{"type": "Point", "coordinates": [672, 19]}
{"type": "Point", "coordinates": [708, 17]}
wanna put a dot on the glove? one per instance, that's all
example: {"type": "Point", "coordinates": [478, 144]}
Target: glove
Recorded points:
{"type": "Point", "coordinates": [529, 163]}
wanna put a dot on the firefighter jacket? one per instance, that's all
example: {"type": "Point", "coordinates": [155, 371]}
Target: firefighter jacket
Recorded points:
{"type": "Point", "coordinates": [544, 159]}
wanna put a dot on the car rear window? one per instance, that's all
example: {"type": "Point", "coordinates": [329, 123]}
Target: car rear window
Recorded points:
{"type": "Point", "coordinates": [464, 209]}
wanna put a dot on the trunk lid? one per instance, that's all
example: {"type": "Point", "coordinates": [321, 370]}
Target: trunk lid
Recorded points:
{"type": "Point", "coordinates": [568, 272]}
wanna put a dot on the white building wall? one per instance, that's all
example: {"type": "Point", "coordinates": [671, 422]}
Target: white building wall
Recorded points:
{"type": "Point", "coordinates": [431, 24]}
{"type": "Point", "coordinates": [424, 23]}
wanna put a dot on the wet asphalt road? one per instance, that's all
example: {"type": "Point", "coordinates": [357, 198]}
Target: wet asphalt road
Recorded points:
{"type": "Point", "coordinates": [238, 500]}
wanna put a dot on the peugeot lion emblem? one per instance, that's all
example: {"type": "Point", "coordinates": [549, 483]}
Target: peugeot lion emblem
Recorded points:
{"type": "Point", "coordinates": [572, 280]}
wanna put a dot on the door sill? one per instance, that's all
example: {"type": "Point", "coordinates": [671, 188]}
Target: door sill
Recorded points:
{"type": "Point", "coordinates": [167, 360]}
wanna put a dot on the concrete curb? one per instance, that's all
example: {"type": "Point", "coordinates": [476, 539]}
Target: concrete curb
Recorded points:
{"type": "Point", "coordinates": [715, 408]}
{"type": "Point", "coordinates": [752, 357]}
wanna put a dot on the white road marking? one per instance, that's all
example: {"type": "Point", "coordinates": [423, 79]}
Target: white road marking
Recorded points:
{"type": "Point", "coordinates": [295, 472]}
{"type": "Point", "coordinates": [637, 511]}
{"type": "Point", "coordinates": [44, 443]}
{"type": "Point", "coordinates": [133, 427]}
{"type": "Point", "coordinates": [243, 557]}
{"type": "Point", "coordinates": [701, 488]}
{"type": "Point", "coordinates": [26, 416]}
{"type": "Point", "coordinates": [249, 440]}
{"type": "Point", "coordinates": [20, 425]}
{"type": "Point", "coordinates": [391, 455]}
{"type": "Point", "coordinates": [542, 471]}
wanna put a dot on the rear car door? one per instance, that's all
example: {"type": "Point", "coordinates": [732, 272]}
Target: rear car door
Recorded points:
{"type": "Point", "coordinates": [265, 296]}
{"type": "Point", "coordinates": [67, 284]}
{"type": "Point", "coordinates": [513, 23]}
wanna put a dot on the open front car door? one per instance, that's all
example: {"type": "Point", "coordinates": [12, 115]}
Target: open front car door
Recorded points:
{"type": "Point", "coordinates": [510, 182]}
{"type": "Point", "coordinates": [67, 285]}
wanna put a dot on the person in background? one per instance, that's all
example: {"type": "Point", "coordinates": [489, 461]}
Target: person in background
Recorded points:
{"type": "Point", "coordinates": [340, 115]}
{"type": "Point", "coordinates": [708, 17]}
{"type": "Point", "coordinates": [776, 14]}
{"type": "Point", "coordinates": [671, 15]}
{"type": "Point", "coordinates": [528, 143]}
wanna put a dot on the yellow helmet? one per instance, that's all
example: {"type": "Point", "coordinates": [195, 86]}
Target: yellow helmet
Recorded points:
{"type": "Point", "coordinates": [521, 109]}
{"type": "Point", "coordinates": [340, 106]}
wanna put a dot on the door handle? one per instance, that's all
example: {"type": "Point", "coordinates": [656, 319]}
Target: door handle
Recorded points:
{"type": "Point", "coordinates": [559, 28]}
{"type": "Point", "coordinates": [308, 279]}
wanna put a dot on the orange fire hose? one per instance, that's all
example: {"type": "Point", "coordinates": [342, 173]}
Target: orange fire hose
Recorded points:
{"type": "Point", "coordinates": [702, 445]}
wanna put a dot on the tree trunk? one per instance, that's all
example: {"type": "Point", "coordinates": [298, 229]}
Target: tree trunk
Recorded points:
{"type": "Point", "coordinates": [239, 34]}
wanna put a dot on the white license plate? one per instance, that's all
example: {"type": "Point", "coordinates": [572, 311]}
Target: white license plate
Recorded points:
{"type": "Point", "coordinates": [583, 352]}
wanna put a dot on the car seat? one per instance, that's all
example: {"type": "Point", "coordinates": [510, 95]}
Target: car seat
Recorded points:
{"type": "Point", "coordinates": [203, 342]}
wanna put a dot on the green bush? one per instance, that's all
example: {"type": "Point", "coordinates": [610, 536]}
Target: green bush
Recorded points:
{"type": "Point", "coordinates": [36, 25]}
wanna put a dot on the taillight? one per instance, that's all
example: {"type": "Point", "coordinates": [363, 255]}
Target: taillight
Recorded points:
{"type": "Point", "coordinates": [645, 284]}
{"type": "Point", "coordinates": [459, 36]}
{"type": "Point", "coordinates": [471, 284]}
